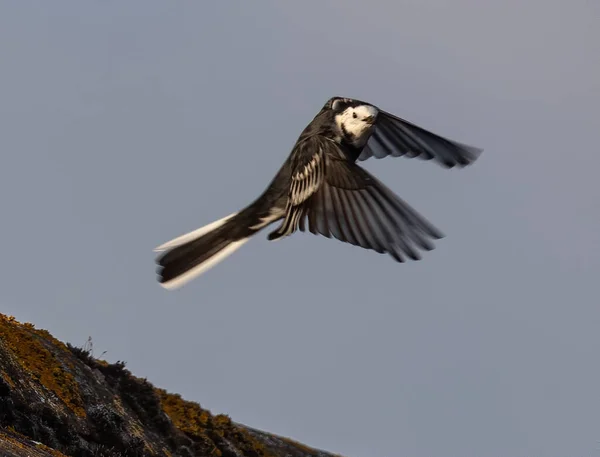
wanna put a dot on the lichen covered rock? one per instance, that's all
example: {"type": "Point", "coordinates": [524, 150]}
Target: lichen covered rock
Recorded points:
{"type": "Point", "coordinates": [58, 400]}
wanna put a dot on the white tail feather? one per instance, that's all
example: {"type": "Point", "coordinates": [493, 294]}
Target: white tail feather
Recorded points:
{"type": "Point", "coordinates": [208, 263]}
{"type": "Point", "coordinates": [192, 235]}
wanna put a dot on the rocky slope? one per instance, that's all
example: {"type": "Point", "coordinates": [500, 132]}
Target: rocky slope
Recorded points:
{"type": "Point", "coordinates": [57, 400]}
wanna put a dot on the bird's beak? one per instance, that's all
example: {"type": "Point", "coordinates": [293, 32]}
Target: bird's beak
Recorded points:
{"type": "Point", "coordinates": [370, 120]}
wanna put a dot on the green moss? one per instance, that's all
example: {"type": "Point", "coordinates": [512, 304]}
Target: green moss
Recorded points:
{"type": "Point", "coordinates": [25, 342]}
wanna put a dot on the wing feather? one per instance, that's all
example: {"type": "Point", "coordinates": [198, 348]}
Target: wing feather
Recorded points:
{"type": "Point", "coordinates": [397, 137]}
{"type": "Point", "coordinates": [354, 207]}
{"type": "Point", "coordinates": [308, 174]}
{"type": "Point", "coordinates": [335, 198]}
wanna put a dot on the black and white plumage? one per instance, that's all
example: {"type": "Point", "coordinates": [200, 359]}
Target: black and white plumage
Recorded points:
{"type": "Point", "coordinates": [321, 188]}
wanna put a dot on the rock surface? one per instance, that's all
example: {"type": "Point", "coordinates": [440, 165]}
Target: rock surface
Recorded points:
{"type": "Point", "coordinates": [58, 400]}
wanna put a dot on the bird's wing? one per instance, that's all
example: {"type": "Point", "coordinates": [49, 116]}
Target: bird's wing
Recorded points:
{"type": "Point", "coordinates": [354, 207]}
{"type": "Point", "coordinates": [308, 173]}
{"type": "Point", "coordinates": [397, 137]}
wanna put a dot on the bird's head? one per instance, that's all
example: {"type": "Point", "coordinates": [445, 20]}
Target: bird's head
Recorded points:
{"type": "Point", "coordinates": [353, 120]}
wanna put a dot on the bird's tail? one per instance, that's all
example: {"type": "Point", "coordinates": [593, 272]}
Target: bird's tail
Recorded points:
{"type": "Point", "coordinates": [190, 255]}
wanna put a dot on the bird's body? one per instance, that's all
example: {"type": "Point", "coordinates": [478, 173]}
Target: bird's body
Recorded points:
{"type": "Point", "coordinates": [321, 188]}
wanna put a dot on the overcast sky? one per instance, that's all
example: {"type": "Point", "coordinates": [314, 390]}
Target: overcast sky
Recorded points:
{"type": "Point", "coordinates": [125, 124]}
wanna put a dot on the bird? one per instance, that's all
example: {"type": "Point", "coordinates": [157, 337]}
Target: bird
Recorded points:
{"type": "Point", "coordinates": [322, 189]}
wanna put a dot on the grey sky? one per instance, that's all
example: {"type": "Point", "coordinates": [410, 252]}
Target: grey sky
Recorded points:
{"type": "Point", "coordinates": [125, 124]}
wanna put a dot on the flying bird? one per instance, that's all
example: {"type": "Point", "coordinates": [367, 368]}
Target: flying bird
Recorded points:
{"type": "Point", "coordinates": [321, 188]}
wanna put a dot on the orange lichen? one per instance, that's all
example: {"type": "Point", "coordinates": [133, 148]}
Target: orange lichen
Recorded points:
{"type": "Point", "coordinates": [8, 379]}
{"type": "Point", "coordinates": [303, 447]}
{"type": "Point", "coordinates": [49, 450]}
{"type": "Point", "coordinates": [24, 341]}
{"type": "Point", "coordinates": [44, 334]}
{"type": "Point", "coordinates": [117, 401]}
{"type": "Point", "coordinates": [19, 441]}
{"type": "Point", "coordinates": [187, 416]}
{"type": "Point", "coordinates": [222, 421]}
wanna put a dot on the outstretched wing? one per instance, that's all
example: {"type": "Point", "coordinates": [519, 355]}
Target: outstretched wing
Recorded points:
{"type": "Point", "coordinates": [354, 207]}
{"type": "Point", "coordinates": [397, 137]}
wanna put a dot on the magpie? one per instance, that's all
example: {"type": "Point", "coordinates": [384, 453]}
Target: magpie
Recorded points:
{"type": "Point", "coordinates": [322, 189]}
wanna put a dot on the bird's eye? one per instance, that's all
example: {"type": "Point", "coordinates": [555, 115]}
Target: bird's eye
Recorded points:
{"type": "Point", "coordinates": [354, 115]}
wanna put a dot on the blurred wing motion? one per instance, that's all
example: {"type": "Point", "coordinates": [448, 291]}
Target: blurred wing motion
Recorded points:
{"type": "Point", "coordinates": [397, 137]}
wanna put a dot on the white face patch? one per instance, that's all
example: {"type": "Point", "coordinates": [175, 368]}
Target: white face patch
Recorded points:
{"type": "Point", "coordinates": [355, 124]}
